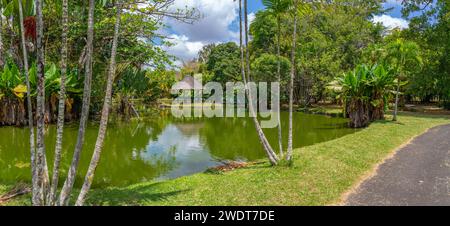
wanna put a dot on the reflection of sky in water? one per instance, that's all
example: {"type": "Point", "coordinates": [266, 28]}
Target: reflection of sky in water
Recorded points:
{"type": "Point", "coordinates": [162, 148]}
{"type": "Point", "coordinates": [191, 155]}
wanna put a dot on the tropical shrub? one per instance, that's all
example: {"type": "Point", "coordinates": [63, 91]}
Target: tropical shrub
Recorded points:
{"type": "Point", "coordinates": [13, 92]}
{"type": "Point", "coordinates": [365, 92]}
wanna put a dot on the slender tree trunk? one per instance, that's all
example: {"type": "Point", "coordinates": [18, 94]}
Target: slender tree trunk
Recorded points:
{"type": "Point", "coordinates": [68, 184]}
{"type": "Point", "coordinates": [34, 199]}
{"type": "Point", "coordinates": [105, 114]}
{"type": "Point", "coordinates": [273, 158]}
{"type": "Point", "coordinates": [291, 87]}
{"type": "Point", "coordinates": [61, 105]}
{"type": "Point", "coordinates": [280, 134]}
{"type": "Point", "coordinates": [41, 163]}
{"type": "Point", "coordinates": [241, 45]}
{"type": "Point", "coordinates": [1, 35]}
{"type": "Point", "coordinates": [396, 100]}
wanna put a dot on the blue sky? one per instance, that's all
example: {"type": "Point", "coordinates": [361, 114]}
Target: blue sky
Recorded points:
{"type": "Point", "coordinates": [219, 24]}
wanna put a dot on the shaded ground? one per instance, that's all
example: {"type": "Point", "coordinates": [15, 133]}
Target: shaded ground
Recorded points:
{"type": "Point", "coordinates": [419, 174]}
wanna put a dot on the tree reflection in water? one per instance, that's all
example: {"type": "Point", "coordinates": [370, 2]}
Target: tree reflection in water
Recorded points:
{"type": "Point", "coordinates": [161, 147]}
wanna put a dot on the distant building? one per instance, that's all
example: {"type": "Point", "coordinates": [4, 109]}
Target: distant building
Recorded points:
{"type": "Point", "coordinates": [188, 83]}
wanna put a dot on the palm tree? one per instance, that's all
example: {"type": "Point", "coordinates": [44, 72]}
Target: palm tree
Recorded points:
{"type": "Point", "coordinates": [291, 87]}
{"type": "Point", "coordinates": [70, 180]}
{"type": "Point", "coordinates": [400, 54]}
{"type": "Point", "coordinates": [105, 114]}
{"type": "Point", "coordinates": [61, 105]}
{"type": "Point", "coordinates": [1, 34]}
{"type": "Point", "coordinates": [41, 162]}
{"type": "Point", "coordinates": [245, 71]}
{"type": "Point", "coordinates": [277, 8]}
{"type": "Point", "coordinates": [29, 105]}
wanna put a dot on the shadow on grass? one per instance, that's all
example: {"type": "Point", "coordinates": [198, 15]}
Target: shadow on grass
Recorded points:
{"type": "Point", "coordinates": [423, 115]}
{"type": "Point", "coordinates": [130, 196]}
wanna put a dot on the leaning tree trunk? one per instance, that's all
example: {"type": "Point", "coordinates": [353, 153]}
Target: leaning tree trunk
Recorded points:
{"type": "Point", "coordinates": [291, 87]}
{"type": "Point", "coordinates": [1, 35]}
{"type": "Point", "coordinates": [105, 114]}
{"type": "Point", "coordinates": [41, 162]}
{"type": "Point", "coordinates": [61, 104]}
{"type": "Point", "coordinates": [280, 134]}
{"type": "Point", "coordinates": [68, 184]}
{"type": "Point", "coordinates": [273, 158]}
{"type": "Point", "coordinates": [35, 186]}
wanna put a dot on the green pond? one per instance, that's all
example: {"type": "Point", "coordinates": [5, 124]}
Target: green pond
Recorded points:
{"type": "Point", "coordinates": [161, 147]}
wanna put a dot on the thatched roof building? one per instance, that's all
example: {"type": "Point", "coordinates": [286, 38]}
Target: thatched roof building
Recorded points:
{"type": "Point", "coordinates": [188, 83]}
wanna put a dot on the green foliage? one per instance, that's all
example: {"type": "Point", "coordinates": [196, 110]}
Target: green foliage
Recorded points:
{"type": "Point", "coordinates": [264, 69]}
{"type": "Point", "coordinates": [160, 84]}
{"type": "Point", "coordinates": [263, 30]}
{"type": "Point", "coordinates": [224, 63]}
{"type": "Point", "coordinates": [365, 92]}
{"type": "Point", "coordinates": [12, 81]}
{"type": "Point", "coordinates": [430, 28]}
{"type": "Point", "coordinates": [331, 39]}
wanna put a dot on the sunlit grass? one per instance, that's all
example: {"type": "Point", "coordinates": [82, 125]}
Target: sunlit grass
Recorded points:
{"type": "Point", "coordinates": [320, 175]}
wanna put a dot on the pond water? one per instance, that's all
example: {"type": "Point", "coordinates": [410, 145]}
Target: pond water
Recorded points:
{"type": "Point", "coordinates": [161, 147]}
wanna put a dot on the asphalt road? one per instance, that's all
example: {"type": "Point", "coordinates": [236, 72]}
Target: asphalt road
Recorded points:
{"type": "Point", "coordinates": [418, 175]}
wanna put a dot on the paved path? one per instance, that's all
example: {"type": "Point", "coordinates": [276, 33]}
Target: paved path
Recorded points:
{"type": "Point", "coordinates": [419, 174]}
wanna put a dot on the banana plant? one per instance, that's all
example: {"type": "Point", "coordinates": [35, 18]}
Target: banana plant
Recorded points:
{"type": "Point", "coordinates": [53, 81]}
{"type": "Point", "coordinates": [365, 92]}
{"type": "Point", "coordinates": [11, 83]}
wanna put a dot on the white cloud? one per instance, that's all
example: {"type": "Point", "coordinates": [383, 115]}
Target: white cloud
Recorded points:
{"type": "Point", "coordinates": [218, 24]}
{"type": "Point", "coordinates": [391, 22]}
{"type": "Point", "coordinates": [213, 26]}
{"type": "Point", "coordinates": [251, 17]}
{"type": "Point", "coordinates": [183, 48]}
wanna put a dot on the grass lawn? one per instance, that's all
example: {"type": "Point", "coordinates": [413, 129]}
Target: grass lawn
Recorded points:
{"type": "Point", "coordinates": [320, 175]}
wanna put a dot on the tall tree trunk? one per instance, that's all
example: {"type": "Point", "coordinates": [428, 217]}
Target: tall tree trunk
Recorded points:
{"type": "Point", "coordinates": [61, 105]}
{"type": "Point", "coordinates": [280, 134]}
{"type": "Point", "coordinates": [273, 158]}
{"type": "Point", "coordinates": [105, 114]}
{"type": "Point", "coordinates": [1, 35]}
{"type": "Point", "coordinates": [41, 163]}
{"type": "Point", "coordinates": [291, 87]}
{"type": "Point", "coordinates": [396, 100]}
{"type": "Point", "coordinates": [68, 184]}
{"type": "Point", "coordinates": [34, 199]}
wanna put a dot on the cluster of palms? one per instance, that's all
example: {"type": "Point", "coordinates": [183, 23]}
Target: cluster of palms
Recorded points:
{"type": "Point", "coordinates": [277, 8]}
{"type": "Point", "coordinates": [13, 90]}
